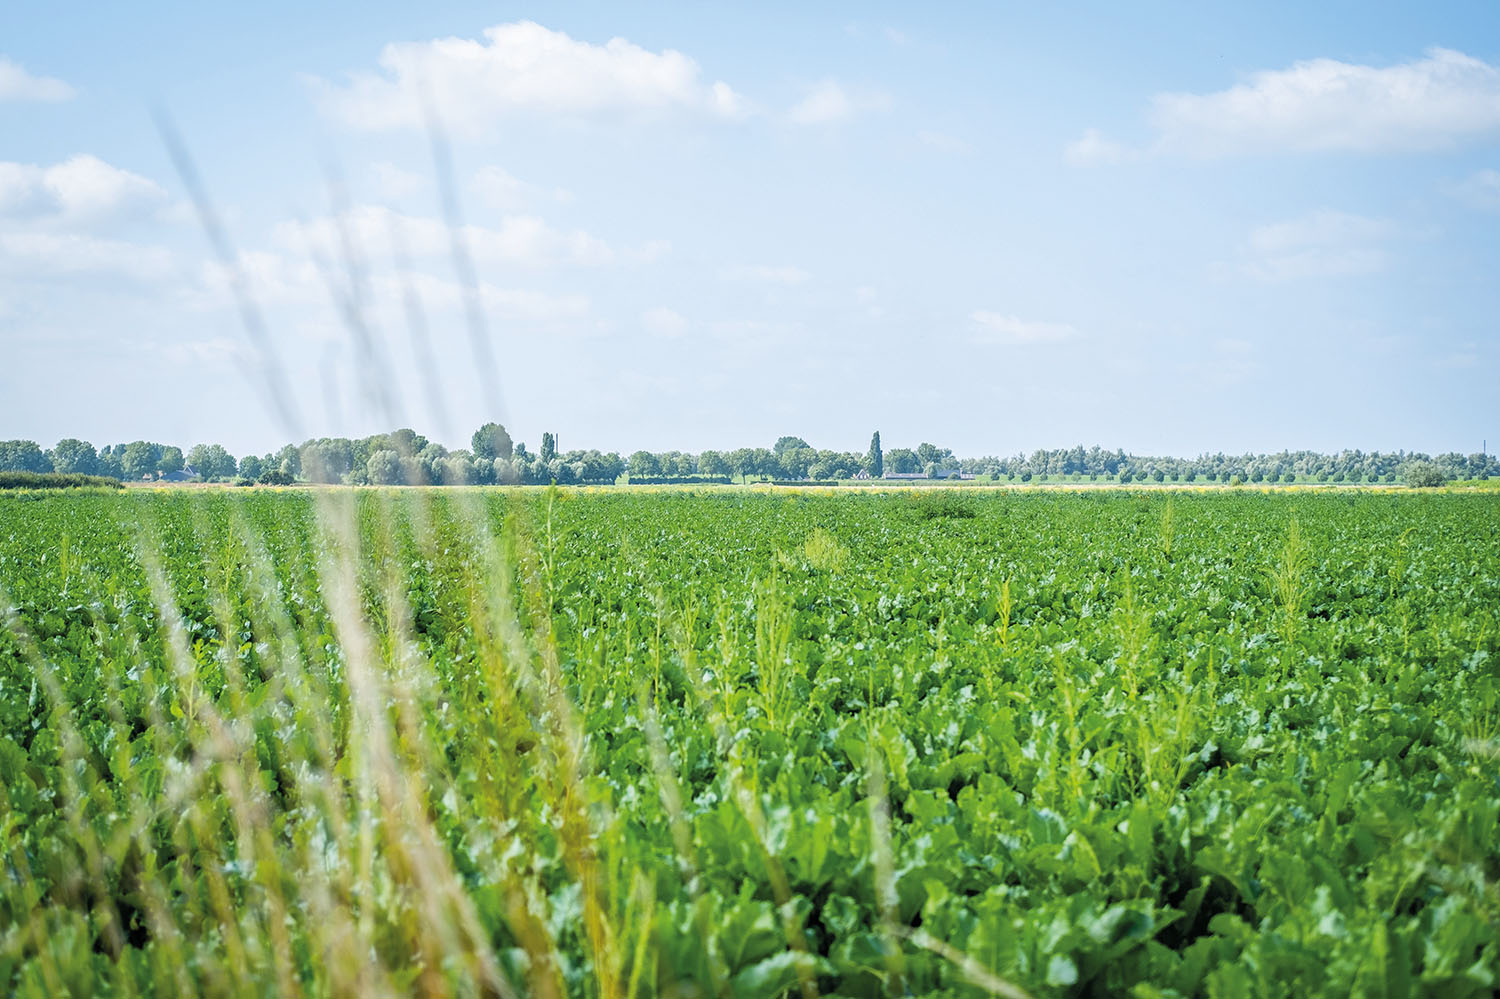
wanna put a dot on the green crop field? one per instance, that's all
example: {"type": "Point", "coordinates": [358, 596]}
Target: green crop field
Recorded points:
{"type": "Point", "coordinates": [750, 744]}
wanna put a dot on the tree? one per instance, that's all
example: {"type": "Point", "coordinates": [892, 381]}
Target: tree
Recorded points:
{"type": "Point", "coordinates": [794, 462]}
{"type": "Point", "coordinates": [289, 461]}
{"type": "Point", "coordinates": [139, 459]}
{"type": "Point", "coordinates": [931, 454]}
{"type": "Point", "coordinates": [73, 456]}
{"type": "Point", "coordinates": [875, 461]}
{"type": "Point", "coordinates": [212, 462]}
{"type": "Point", "coordinates": [712, 463]}
{"type": "Point", "coordinates": [384, 467]}
{"type": "Point", "coordinates": [491, 441]}
{"type": "Point", "coordinates": [329, 459]}
{"type": "Point", "coordinates": [642, 464]}
{"type": "Point", "coordinates": [251, 467]}
{"type": "Point", "coordinates": [548, 449]}
{"type": "Point", "coordinates": [406, 442]}
{"type": "Point", "coordinates": [741, 461]}
{"type": "Point", "coordinates": [903, 461]}
{"type": "Point", "coordinates": [169, 461]}
{"type": "Point", "coordinates": [1424, 474]}
{"type": "Point", "coordinates": [785, 444]}
{"type": "Point", "coordinates": [109, 461]}
{"type": "Point", "coordinates": [764, 463]}
{"type": "Point", "coordinates": [432, 467]}
{"type": "Point", "coordinates": [456, 469]}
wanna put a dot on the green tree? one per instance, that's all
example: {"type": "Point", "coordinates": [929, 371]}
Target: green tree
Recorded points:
{"type": "Point", "coordinates": [1424, 474]}
{"type": "Point", "coordinates": [794, 462]}
{"type": "Point", "coordinates": [251, 467]}
{"type": "Point", "coordinates": [170, 460]}
{"type": "Point", "coordinates": [875, 460]}
{"type": "Point", "coordinates": [931, 454]}
{"type": "Point", "coordinates": [785, 444]}
{"type": "Point", "coordinates": [491, 441]}
{"type": "Point", "coordinates": [23, 456]}
{"type": "Point", "coordinates": [456, 469]}
{"type": "Point", "coordinates": [110, 461]}
{"type": "Point", "coordinates": [742, 461]}
{"type": "Point", "coordinates": [712, 463]}
{"type": "Point", "coordinates": [289, 461]}
{"type": "Point", "coordinates": [903, 461]}
{"type": "Point", "coordinates": [212, 462]}
{"type": "Point", "coordinates": [642, 464]}
{"type": "Point", "coordinates": [548, 450]}
{"type": "Point", "coordinates": [384, 467]}
{"type": "Point", "coordinates": [139, 459]}
{"type": "Point", "coordinates": [74, 456]}
{"type": "Point", "coordinates": [405, 442]}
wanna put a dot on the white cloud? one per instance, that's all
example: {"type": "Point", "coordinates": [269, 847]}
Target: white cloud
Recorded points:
{"type": "Point", "coordinates": [1324, 105]}
{"type": "Point", "coordinates": [1482, 190]}
{"type": "Point", "coordinates": [1321, 228]}
{"type": "Point", "coordinates": [80, 190]}
{"type": "Point", "coordinates": [664, 322]}
{"type": "Point", "coordinates": [1323, 244]}
{"type": "Point", "coordinates": [1094, 149]}
{"type": "Point", "coordinates": [292, 280]}
{"type": "Point", "coordinates": [825, 102]}
{"type": "Point", "coordinates": [511, 303]}
{"type": "Point", "coordinates": [53, 254]}
{"type": "Point", "coordinates": [522, 67]}
{"type": "Point", "coordinates": [391, 183]}
{"type": "Point", "coordinates": [519, 239]}
{"type": "Point", "coordinates": [18, 85]}
{"type": "Point", "coordinates": [764, 274]}
{"type": "Point", "coordinates": [993, 327]}
{"type": "Point", "coordinates": [500, 189]}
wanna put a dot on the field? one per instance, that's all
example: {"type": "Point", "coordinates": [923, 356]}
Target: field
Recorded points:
{"type": "Point", "coordinates": [614, 744]}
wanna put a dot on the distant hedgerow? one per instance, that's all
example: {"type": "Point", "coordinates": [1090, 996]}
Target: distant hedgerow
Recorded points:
{"type": "Point", "coordinates": [56, 480]}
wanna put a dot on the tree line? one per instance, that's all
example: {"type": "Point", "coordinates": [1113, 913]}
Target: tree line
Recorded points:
{"type": "Point", "coordinates": [405, 457]}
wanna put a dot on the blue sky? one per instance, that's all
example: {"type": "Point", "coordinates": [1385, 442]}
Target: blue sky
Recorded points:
{"type": "Point", "coordinates": [995, 227]}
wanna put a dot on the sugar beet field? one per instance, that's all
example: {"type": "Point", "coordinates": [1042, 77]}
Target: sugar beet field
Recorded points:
{"type": "Point", "coordinates": [749, 744]}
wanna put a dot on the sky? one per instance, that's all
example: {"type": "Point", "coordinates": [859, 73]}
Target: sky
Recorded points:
{"type": "Point", "coordinates": [1171, 229]}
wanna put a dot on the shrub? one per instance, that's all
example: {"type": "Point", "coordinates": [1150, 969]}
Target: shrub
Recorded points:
{"type": "Point", "coordinates": [1424, 475]}
{"type": "Point", "coordinates": [56, 480]}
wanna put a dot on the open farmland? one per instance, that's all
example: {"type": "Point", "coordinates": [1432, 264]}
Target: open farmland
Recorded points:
{"type": "Point", "coordinates": [620, 744]}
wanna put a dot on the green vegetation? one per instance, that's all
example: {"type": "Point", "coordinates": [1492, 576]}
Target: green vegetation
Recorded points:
{"type": "Point", "coordinates": [405, 457]}
{"type": "Point", "coordinates": [55, 480]}
{"type": "Point", "coordinates": [1425, 474]}
{"type": "Point", "coordinates": [748, 744]}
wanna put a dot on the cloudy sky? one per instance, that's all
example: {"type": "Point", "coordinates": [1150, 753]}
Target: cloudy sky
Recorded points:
{"type": "Point", "coordinates": [996, 227]}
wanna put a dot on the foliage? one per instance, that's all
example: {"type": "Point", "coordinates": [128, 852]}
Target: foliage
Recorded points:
{"type": "Point", "coordinates": [23, 456]}
{"type": "Point", "coordinates": [55, 480]}
{"type": "Point", "coordinates": [210, 461]}
{"type": "Point", "coordinates": [73, 456]}
{"type": "Point", "coordinates": [491, 441]}
{"type": "Point", "coordinates": [424, 462]}
{"type": "Point", "coordinates": [750, 744]}
{"type": "Point", "coordinates": [1424, 475]}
